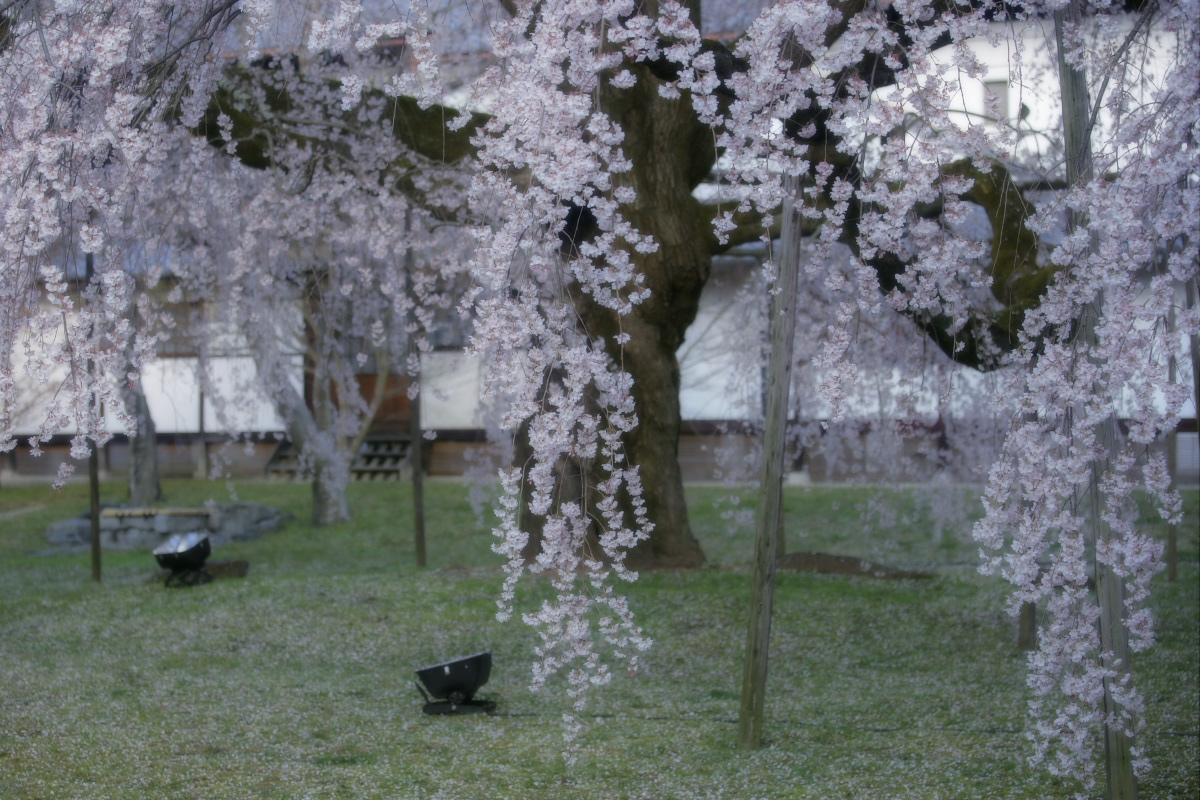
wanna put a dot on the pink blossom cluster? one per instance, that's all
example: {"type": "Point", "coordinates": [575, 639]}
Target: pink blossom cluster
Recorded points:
{"type": "Point", "coordinates": [1123, 269]}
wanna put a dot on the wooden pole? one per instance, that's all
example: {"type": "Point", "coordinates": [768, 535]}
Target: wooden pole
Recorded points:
{"type": "Point", "coordinates": [201, 473]}
{"type": "Point", "coordinates": [1191, 288]}
{"type": "Point", "coordinates": [416, 435]}
{"type": "Point", "coordinates": [1172, 556]}
{"type": "Point", "coordinates": [94, 462]}
{"type": "Point", "coordinates": [94, 497]}
{"type": "Point", "coordinates": [782, 332]}
{"type": "Point", "coordinates": [1114, 639]}
{"type": "Point", "coordinates": [1189, 292]}
{"type": "Point", "coordinates": [418, 478]}
{"type": "Point", "coordinates": [1027, 638]}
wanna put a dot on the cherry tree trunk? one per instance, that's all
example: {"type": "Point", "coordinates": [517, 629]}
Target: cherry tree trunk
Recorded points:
{"type": "Point", "coordinates": [328, 507]}
{"type": "Point", "coordinates": [654, 447]}
{"type": "Point", "coordinates": [671, 153]}
{"type": "Point", "coordinates": [309, 429]}
{"type": "Point", "coordinates": [329, 504]}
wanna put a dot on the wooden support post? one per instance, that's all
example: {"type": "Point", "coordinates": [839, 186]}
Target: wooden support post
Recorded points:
{"type": "Point", "coordinates": [416, 435]}
{"type": "Point", "coordinates": [201, 473]}
{"type": "Point", "coordinates": [1027, 638]}
{"type": "Point", "coordinates": [94, 498]}
{"type": "Point", "coordinates": [1114, 639]}
{"type": "Point", "coordinates": [782, 331]}
{"type": "Point", "coordinates": [418, 476]}
{"type": "Point", "coordinates": [1172, 555]}
{"type": "Point", "coordinates": [93, 459]}
{"type": "Point", "coordinates": [1189, 293]}
{"type": "Point", "coordinates": [1191, 288]}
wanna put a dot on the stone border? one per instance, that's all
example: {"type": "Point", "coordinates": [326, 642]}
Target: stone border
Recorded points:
{"type": "Point", "coordinates": [135, 528]}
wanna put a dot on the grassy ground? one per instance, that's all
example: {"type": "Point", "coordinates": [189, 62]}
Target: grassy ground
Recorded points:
{"type": "Point", "coordinates": [296, 682]}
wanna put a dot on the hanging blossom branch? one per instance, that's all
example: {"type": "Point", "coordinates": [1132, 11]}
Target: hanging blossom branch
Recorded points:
{"type": "Point", "coordinates": [91, 91]}
{"type": "Point", "coordinates": [546, 154]}
{"type": "Point", "coordinates": [1118, 277]}
{"type": "Point", "coordinates": [848, 81]}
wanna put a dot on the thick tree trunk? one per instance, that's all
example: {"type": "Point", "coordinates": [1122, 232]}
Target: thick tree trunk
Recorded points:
{"type": "Point", "coordinates": [568, 481]}
{"type": "Point", "coordinates": [671, 153]}
{"type": "Point", "coordinates": [308, 427]}
{"type": "Point", "coordinates": [654, 447]}
{"type": "Point", "coordinates": [145, 488]}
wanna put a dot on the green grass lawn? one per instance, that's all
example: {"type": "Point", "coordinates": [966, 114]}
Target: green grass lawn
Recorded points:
{"type": "Point", "coordinates": [296, 682]}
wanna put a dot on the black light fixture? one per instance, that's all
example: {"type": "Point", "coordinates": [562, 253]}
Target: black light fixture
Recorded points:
{"type": "Point", "coordinates": [449, 687]}
{"type": "Point", "coordinates": [184, 554]}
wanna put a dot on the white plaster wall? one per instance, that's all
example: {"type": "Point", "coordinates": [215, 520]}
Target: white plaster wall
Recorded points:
{"type": "Point", "coordinates": [450, 388]}
{"type": "Point", "coordinates": [234, 402]}
{"type": "Point", "coordinates": [720, 378]}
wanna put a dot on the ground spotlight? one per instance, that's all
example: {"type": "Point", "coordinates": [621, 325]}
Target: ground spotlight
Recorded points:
{"type": "Point", "coordinates": [449, 687]}
{"type": "Point", "coordinates": [184, 554]}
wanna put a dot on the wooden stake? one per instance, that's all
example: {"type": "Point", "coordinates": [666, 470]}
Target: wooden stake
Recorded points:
{"type": "Point", "coordinates": [93, 459]}
{"type": "Point", "coordinates": [94, 497]}
{"type": "Point", "coordinates": [1114, 640]}
{"type": "Point", "coordinates": [416, 435]}
{"type": "Point", "coordinates": [1172, 556]}
{"type": "Point", "coordinates": [418, 477]}
{"type": "Point", "coordinates": [782, 330]}
{"type": "Point", "coordinates": [1027, 638]}
{"type": "Point", "coordinates": [201, 473]}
